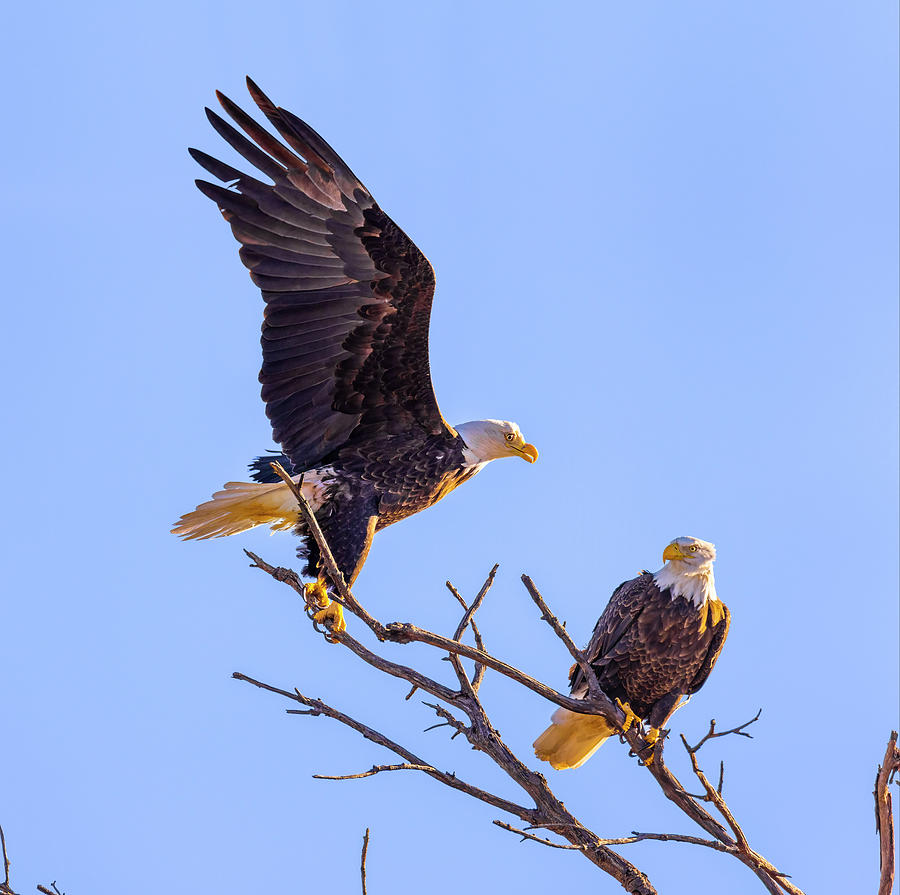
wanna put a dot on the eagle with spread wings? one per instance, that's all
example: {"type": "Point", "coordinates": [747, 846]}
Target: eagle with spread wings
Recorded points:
{"type": "Point", "coordinates": [345, 373]}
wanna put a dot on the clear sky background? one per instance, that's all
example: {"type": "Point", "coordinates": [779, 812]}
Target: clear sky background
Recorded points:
{"type": "Point", "coordinates": [665, 237]}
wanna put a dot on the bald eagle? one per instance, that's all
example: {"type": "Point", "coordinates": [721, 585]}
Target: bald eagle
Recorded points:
{"type": "Point", "coordinates": [656, 642]}
{"type": "Point", "coordinates": [345, 375]}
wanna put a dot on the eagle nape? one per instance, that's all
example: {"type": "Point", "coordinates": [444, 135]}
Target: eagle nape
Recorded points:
{"type": "Point", "coordinates": [655, 643]}
{"type": "Point", "coordinates": [345, 370]}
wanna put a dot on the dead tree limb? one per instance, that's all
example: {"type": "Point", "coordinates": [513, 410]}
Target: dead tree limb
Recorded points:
{"type": "Point", "coordinates": [884, 814]}
{"type": "Point", "coordinates": [545, 811]}
{"type": "Point", "coordinates": [362, 861]}
{"type": "Point", "coordinates": [5, 887]}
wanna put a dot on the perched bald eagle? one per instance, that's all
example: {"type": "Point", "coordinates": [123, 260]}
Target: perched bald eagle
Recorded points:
{"type": "Point", "coordinates": [345, 375]}
{"type": "Point", "coordinates": [656, 642]}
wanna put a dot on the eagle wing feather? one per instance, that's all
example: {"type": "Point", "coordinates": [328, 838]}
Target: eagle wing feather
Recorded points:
{"type": "Point", "coordinates": [623, 609]}
{"type": "Point", "coordinates": [348, 294]}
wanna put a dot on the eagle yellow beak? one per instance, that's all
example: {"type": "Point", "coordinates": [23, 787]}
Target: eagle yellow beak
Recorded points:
{"type": "Point", "coordinates": [529, 452]}
{"type": "Point", "coordinates": [673, 551]}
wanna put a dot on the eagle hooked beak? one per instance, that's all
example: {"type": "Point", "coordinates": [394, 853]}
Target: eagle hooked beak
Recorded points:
{"type": "Point", "coordinates": [673, 551]}
{"type": "Point", "coordinates": [529, 452]}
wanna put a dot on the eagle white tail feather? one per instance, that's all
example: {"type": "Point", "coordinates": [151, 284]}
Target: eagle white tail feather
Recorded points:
{"type": "Point", "coordinates": [571, 739]}
{"type": "Point", "coordinates": [244, 505]}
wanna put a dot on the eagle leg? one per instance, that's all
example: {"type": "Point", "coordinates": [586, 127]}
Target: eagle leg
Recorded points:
{"type": "Point", "coordinates": [630, 716]}
{"type": "Point", "coordinates": [323, 610]}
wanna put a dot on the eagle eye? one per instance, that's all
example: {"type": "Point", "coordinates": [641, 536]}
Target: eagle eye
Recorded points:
{"type": "Point", "coordinates": [510, 436]}
{"type": "Point", "coordinates": [693, 548]}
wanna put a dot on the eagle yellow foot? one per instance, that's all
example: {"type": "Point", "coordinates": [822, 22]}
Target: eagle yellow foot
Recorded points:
{"type": "Point", "coordinates": [651, 738]}
{"type": "Point", "coordinates": [323, 610]}
{"type": "Point", "coordinates": [316, 595]}
{"type": "Point", "coordinates": [332, 616]}
{"type": "Point", "coordinates": [630, 716]}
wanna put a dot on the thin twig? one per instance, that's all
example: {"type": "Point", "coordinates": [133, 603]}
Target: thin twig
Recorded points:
{"type": "Point", "coordinates": [476, 603]}
{"type": "Point", "coordinates": [478, 674]}
{"type": "Point", "coordinates": [470, 688]}
{"type": "Point", "coordinates": [375, 769]}
{"type": "Point", "coordinates": [362, 861]}
{"type": "Point", "coordinates": [449, 720]}
{"type": "Point", "coordinates": [590, 676]}
{"type": "Point", "coordinates": [5, 859]}
{"type": "Point", "coordinates": [670, 837]}
{"type": "Point", "coordinates": [533, 838]}
{"type": "Point", "coordinates": [713, 734]}
{"type": "Point", "coordinates": [716, 799]}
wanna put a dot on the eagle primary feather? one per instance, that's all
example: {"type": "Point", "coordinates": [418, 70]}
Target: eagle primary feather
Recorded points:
{"type": "Point", "coordinates": [656, 642]}
{"type": "Point", "coordinates": [345, 374]}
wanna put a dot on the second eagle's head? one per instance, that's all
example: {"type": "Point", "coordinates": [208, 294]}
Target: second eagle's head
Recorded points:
{"type": "Point", "coordinates": [691, 552]}
{"type": "Point", "coordinates": [494, 439]}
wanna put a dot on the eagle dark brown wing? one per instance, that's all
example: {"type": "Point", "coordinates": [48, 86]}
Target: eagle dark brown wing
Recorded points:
{"type": "Point", "coordinates": [625, 605]}
{"type": "Point", "coordinates": [348, 295]}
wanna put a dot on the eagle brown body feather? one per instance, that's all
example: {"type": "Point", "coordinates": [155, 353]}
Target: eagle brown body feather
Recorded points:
{"type": "Point", "coordinates": [649, 649]}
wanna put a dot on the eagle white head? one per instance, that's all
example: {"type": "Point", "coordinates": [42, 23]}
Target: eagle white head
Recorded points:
{"type": "Point", "coordinates": [688, 570]}
{"type": "Point", "coordinates": [488, 440]}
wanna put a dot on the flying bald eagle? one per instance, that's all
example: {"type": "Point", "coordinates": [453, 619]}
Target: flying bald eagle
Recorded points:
{"type": "Point", "coordinates": [345, 375]}
{"type": "Point", "coordinates": [656, 642]}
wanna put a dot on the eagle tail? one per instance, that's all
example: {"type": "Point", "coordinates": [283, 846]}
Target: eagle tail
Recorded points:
{"type": "Point", "coordinates": [571, 739]}
{"type": "Point", "coordinates": [244, 505]}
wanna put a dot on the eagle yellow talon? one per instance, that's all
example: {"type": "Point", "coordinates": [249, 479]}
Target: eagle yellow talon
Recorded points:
{"type": "Point", "coordinates": [630, 716]}
{"type": "Point", "coordinates": [332, 617]}
{"type": "Point", "coordinates": [316, 595]}
{"type": "Point", "coordinates": [322, 609]}
{"type": "Point", "coordinates": [652, 737]}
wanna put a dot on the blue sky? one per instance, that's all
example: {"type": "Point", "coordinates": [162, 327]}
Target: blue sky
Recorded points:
{"type": "Point", "coordinates": [666, 245]}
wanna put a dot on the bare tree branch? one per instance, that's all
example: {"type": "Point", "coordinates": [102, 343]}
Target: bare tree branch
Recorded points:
{"type": "Point", "coordinates": [712, 734]}
{"type": "Point", "coordinates": [362, 861]}
{"type": "Point", "coordinates": [478, 675]}
{"type": "Point", "coordinates": [5, 887]}
{"type": "Point", "coordinates": [375, 769]}
{"type": "Point", "coordinates": [884, 814]}
{"type": "Point", "coordinates": [587, 669]}
{"type": "Point", "coordinates": [320, 708]}
{"type": "Point", "coordinates": [525, 835]}
{"type": "Point", "coordinates": [624, 840]}
{"type": "Point", "coordinates": [467, 619]}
